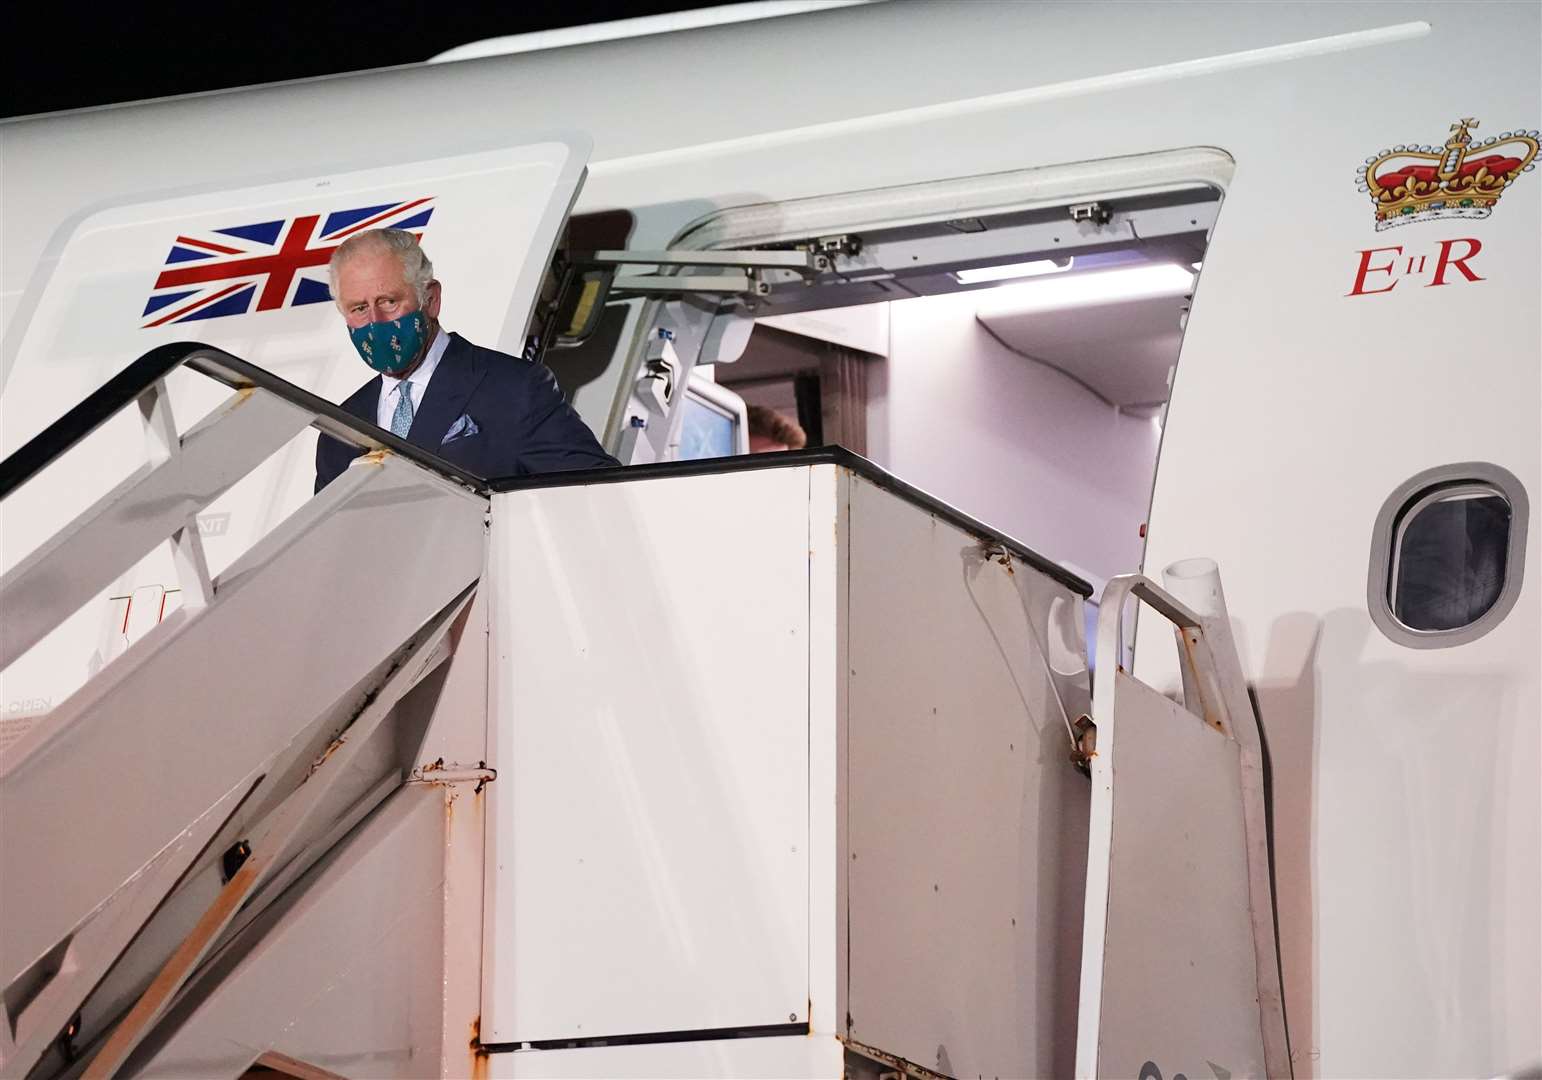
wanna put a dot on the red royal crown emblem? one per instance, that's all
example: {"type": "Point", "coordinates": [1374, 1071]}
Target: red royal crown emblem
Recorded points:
{"type": "Point", "coordinates": [1462, 179]}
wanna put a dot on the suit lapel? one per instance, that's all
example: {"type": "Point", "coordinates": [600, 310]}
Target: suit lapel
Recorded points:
{"type": "Point", "coordinates": [459, 373]}
{"type": "Point", "coordinates": [365, 401]}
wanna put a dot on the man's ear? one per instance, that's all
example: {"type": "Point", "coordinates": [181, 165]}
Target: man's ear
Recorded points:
{"type": "Point", "coordinates": [431, 307]}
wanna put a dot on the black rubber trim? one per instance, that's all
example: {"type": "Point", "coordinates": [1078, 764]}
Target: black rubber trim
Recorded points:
{"type": "Point", "coordinates": [120, 391]}
{"type": "Point", "coordinates": [822, 455]}
{"type": "Point", "coordinates": [695, 1035]}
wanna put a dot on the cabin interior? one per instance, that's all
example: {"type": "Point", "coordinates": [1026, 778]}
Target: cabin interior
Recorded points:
{"type": "Point", "coordinates": [1014, 365]}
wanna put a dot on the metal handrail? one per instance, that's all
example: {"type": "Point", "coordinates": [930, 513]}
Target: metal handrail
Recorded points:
{"type": "Point", "coordinates": [124, 388]}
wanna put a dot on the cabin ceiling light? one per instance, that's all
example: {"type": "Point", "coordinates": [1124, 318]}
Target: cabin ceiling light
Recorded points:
{"type": "Point", "coordinates": [1012, 270]}
{"type": "Point", "coordinates": [1105, 287]}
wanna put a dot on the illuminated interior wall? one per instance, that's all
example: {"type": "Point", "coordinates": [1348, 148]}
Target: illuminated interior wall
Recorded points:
{"type": "Point", "coordinates": [1008, 440]}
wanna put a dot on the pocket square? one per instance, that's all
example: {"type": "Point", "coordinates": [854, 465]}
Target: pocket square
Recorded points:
{"type": "Point", "coordinates": [463, 428]}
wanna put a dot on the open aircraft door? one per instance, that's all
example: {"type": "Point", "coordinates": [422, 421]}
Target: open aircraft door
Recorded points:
{"type": "Point", "coordinates": [149, 816]}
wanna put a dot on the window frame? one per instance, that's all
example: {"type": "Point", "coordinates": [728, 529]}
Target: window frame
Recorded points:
{"type": "Point", "coordinates": [1473, 478]}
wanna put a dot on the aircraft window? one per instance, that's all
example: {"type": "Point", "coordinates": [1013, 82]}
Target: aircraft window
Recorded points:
{"type": "Point", "coordinates": [1449, 565]}
{"type": "Point", "coordinates": [1451, 552]}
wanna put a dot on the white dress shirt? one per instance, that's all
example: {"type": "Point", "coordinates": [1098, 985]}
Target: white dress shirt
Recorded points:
{"type": "Point", "coordinates": [389, 387]}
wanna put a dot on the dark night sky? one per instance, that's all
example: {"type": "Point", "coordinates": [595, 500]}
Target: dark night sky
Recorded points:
{"type": "Point", "coordinates": [69, 57]}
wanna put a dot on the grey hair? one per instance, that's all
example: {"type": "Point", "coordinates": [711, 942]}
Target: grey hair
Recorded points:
{"type": "Point", "coordinates": [416, 268]}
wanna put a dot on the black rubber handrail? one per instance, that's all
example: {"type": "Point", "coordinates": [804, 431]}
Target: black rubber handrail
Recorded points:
{"type": "Point", "coordinates": [122, 389]}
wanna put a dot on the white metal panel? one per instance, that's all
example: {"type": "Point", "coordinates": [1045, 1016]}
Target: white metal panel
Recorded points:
{"type": "Point", "coordinates": [1196, 583]}
{"type": "Point", "coordinates": [828, 487]}
{"type": "Point", "coordinates": [1408, 853]}
{"type": "Point", "coordinates": [457, 736]}
{"type": "Point", "coordinates": [95, 948]}
{"type": "Point", "coordinates": [967, 820]}
{"type": "Point", "coordinates": [1178, 980]}
{"type": "Point", "coordinates": [650, 705]}
{"type": "Point", "coordinates": [284, 836]}
{"type": "Point", "coordinates": [785, 1057]}
{"type": "Point", "coordinates": [341, 973]}
{"type": "Point", "coordinates": [368, 778]}
{"type": "Point", "coordinates": [214, 694]}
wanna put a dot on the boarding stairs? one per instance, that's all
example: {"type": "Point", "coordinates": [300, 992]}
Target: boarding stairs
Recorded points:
{"type": "Point", "coordinates": [126, 816]}
{"type": "Point", "coordinates": [228, 807]}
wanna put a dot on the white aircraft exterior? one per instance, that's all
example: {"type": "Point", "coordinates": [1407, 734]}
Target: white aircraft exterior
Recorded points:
{"type": "Point", "coordinates": [1354, 353]}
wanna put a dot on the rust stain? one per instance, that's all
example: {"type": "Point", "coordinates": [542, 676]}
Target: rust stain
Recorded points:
{"type": "Point", "coordinates": [1190, 639]}
{"type": "Point", "coordinates": [1085, 743]}
{"type": "Point", "coordinates": [903, 1067]}
{"type": "Point", "coordinates": [284, 1065]}
{"type": "Point", "coordinates": [375, 457]}
{"type": "Point", "coordinates": [481, 1060]}
{"type": "Point", "coordinates": [332, 748]}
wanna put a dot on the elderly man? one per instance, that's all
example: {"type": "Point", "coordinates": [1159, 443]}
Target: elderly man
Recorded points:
{"type": "Point", "coordinates": [492, 414]}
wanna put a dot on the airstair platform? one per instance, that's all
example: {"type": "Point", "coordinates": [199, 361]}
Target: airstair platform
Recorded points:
{"type": "Point", "coordinates": [768, 766]}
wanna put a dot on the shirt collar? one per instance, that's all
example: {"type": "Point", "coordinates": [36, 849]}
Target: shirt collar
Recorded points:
{"type": "Point", "coordinates": [424, 371]}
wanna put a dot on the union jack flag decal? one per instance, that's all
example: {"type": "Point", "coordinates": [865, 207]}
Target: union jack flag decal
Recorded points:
{"type": "Point", "coordinates": [272, 264]}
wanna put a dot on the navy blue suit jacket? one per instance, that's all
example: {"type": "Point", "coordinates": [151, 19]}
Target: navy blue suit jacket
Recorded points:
{"type": "Point", "coordinates": [490, 413]}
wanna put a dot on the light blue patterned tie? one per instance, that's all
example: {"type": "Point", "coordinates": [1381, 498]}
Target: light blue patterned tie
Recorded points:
{"type": "Point", "coordinates": [401, 419]}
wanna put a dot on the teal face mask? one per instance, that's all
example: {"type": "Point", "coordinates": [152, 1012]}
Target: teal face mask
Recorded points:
{"type": "Point", "coordinates": [390, 346]}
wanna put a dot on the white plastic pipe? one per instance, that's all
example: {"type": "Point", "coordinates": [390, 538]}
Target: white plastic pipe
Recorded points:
{"type": "Point", "coordinates": [1197, 584]}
